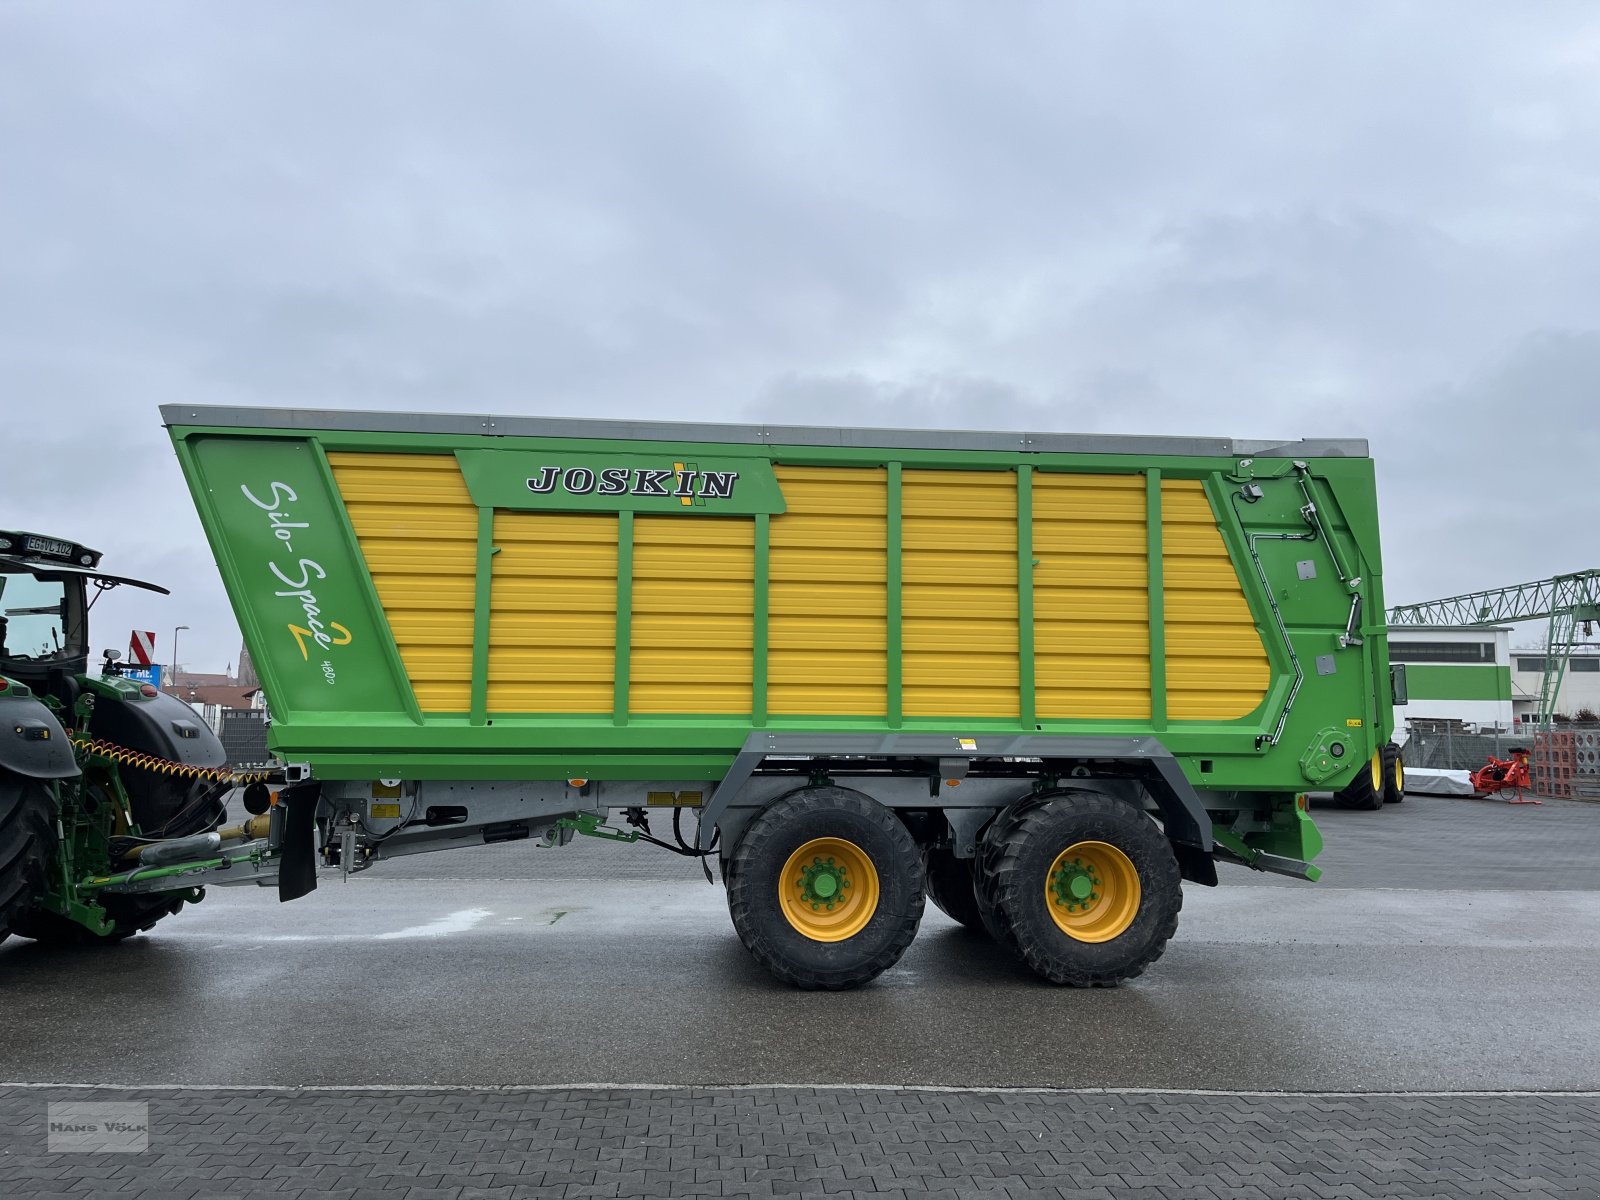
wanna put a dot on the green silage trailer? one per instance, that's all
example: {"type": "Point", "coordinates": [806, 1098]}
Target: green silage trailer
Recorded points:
{"type": "Point", "coordinates": [1040, 679]}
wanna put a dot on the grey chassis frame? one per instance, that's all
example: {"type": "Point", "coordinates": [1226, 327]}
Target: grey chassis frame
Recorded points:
{"type": "Point", "coordinates": [966, 779]}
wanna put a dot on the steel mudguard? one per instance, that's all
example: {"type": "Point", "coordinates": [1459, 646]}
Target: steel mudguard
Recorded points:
{"type": "Point", "coordinates": [161, 725]}
{"type": "Point", "coordinates": [32, 742]}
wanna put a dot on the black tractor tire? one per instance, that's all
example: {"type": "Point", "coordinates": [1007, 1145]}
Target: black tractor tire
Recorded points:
{"type": "Point", "coordinates": [128, 915]}
{"type": "Point", "coordinates": [171, 807]}
{"type": "Point", "coordinates": [176, 808]}
{"type": "Point", "coordinates": [949, 882]}
{"type": "Point", "coordinates": [775, 929]}
{"type": "Point", "coordinates": [1133, 925]}
{"type": "Point", "coordinates": [27, 846]}
{"type": "Point", "coordinates": [1365, 791]}
{"type": "Point", "coordinates": [1394, 774]}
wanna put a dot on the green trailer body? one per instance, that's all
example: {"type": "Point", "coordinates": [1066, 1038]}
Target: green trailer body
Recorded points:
{"type": "Point", "coordinates": [416, 608]}
{"type": "Point", "coordinates": [494, 627]}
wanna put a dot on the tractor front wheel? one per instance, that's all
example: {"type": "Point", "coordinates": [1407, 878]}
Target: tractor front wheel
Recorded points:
{"type": "Point", "coordinates": [27, 845]}
{"type": "Point", "coordinates": [825, 888]}
{"type": "Point", "coordinates": [171, 807]}
{"type": "Point", "coordinates": [128, 915]}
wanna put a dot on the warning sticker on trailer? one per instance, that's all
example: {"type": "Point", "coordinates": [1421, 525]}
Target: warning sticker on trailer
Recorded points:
{"type": "Point", "coordinates": [968, 743]}
{"type": "Point", "coordinates": [674, 799]}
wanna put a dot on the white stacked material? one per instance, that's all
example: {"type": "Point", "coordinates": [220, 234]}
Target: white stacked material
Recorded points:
{"type": "Point", "coordinates": [1428, 782]}
{"type": "Point", "coordinates": [1586, 752]}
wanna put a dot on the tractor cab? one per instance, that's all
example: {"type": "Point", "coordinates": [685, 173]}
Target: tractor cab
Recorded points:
{"type": "Point", "coordinates": [47, 587]}
{"type": "Point", "coordinates": [101, 770]}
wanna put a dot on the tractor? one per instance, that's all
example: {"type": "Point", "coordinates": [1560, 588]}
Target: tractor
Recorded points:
{"type": "Point", "coordinates": [105, 781]}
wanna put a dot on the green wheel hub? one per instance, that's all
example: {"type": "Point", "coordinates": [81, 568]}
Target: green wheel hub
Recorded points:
{"type": "Point", "coordinates": [828, 889]}
{"type": "Point", "coordinates": [1092, 891]}
{"type": "Point", "coordinates": [823, 882]}
{"type": "Point", "coordinates": [1075, 885]}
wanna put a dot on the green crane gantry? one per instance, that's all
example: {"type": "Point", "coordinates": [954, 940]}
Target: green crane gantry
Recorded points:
{"type": "Point", "coordinates": [1567, 600]}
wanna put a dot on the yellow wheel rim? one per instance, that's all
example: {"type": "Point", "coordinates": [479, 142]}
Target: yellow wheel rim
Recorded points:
{"type": "Point", "coordinates": [1377, 770]}
{"type": "Point", "coordinates": [1399, 775]}
{"type": "Point", "coordinates": [828, 890]}
{"type": "Point", "coordinates": [1092, 891]}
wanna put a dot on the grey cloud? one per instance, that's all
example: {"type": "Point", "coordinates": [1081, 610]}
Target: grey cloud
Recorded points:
{"type": "Point", "coordinates": [1490, 480]}
{"type": "Point", "coordinates": [1257, 219]}
{"type": "Point", "coordinates": [950, 402]}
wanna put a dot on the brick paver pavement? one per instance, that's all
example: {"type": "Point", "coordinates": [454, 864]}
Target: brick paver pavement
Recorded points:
{"type": "Point", "coordinates": [760, 1142]}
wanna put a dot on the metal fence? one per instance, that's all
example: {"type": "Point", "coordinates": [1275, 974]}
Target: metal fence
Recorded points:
{"type": "Point", "coordinates": [1451, 750]}
{"type": "Point", "coordinates": [244, 736]}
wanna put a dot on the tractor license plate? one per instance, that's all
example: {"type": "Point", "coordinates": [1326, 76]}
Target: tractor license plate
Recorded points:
{"type": "Point", "coordinates": [47, 546]}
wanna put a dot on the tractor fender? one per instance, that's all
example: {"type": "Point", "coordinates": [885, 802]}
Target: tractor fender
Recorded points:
{"type": "Point", "coordinates": [32, 742]}
{"type": "Point", "coordinates": [161, 725]}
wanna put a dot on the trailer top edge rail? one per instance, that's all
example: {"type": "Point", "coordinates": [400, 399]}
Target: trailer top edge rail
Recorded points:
{"type": "Point", "coordinates": [222, 416]}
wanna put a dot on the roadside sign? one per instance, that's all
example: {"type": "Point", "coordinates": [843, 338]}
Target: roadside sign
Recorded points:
{"type": "Point", "coordinates": [141, 648]}
{"type": "Point", "coordinates": [150, 674]}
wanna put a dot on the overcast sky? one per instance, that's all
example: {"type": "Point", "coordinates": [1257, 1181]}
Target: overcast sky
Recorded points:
{"type": "Point", "coordinates": [1255, 220]}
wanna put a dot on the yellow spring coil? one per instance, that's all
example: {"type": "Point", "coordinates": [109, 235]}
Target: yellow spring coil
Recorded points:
{"type": "Point", "coordinates": [122, 756]}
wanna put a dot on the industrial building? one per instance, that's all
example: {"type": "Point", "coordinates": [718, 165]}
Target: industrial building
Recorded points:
{"type": "Point", "coordinates": [1472, 676]}
{"type": "Point", "coordinates": [1580, 687]}
{"type": "Point", "coordinates": [1456, 675]}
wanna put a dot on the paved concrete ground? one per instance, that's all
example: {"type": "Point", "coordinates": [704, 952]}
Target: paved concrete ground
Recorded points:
{"type": "Point", "coordinates": [1454, 945]}
{"type": "Point", "coordinates": [442, 982]}
{"type": "Point", "coordinates": [805, 1142]}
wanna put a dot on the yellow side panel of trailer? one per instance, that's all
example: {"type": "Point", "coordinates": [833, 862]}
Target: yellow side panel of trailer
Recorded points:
{"type": "Point", "coordinates": [553, 618]}
{"type": "Point", "coordinates": [693, 614]}
{"type": "Point", "coordinates": [959, 589]}
{"type": "Point", "coordinates": [418, 530]}
{"type": "Point", "coordinates": [828, 593]}
{"type": "Point", "coordinates": [553, 613]}
{"type": "Point", "coordinates": [1091, 596]}
{"type": "Point", "coordinates": [1217, 669]}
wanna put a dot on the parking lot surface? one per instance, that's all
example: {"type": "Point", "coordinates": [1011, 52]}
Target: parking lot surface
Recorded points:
{"type": "Point", "coordinates": [584, 1021]}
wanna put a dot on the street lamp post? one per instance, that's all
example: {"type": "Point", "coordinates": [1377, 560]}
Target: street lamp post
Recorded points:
{"type": "Point", "coordinates": [174, 681]}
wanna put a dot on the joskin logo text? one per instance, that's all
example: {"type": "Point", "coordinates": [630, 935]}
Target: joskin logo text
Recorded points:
{"type": "Point", "coordinates": [677, 479]}
{"type": "Point", "coordinates": [685, 482]}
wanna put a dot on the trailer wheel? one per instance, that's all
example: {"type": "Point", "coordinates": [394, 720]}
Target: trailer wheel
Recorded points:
{"type": "Point", "coordinates": [951, 887]}
{"type": "Point", "coordinates": [1394, 774]}
{"type": "Point", "coordinates": [988, 857]}
{"type": "Point", "coordinates": [1366, 790]}
{"type": "Point", "coordinates": [1083, 887]}
{"type": "Point", "coordinates": [825, 888]}
{"type": "Point", "coordinates": [27, 845]}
